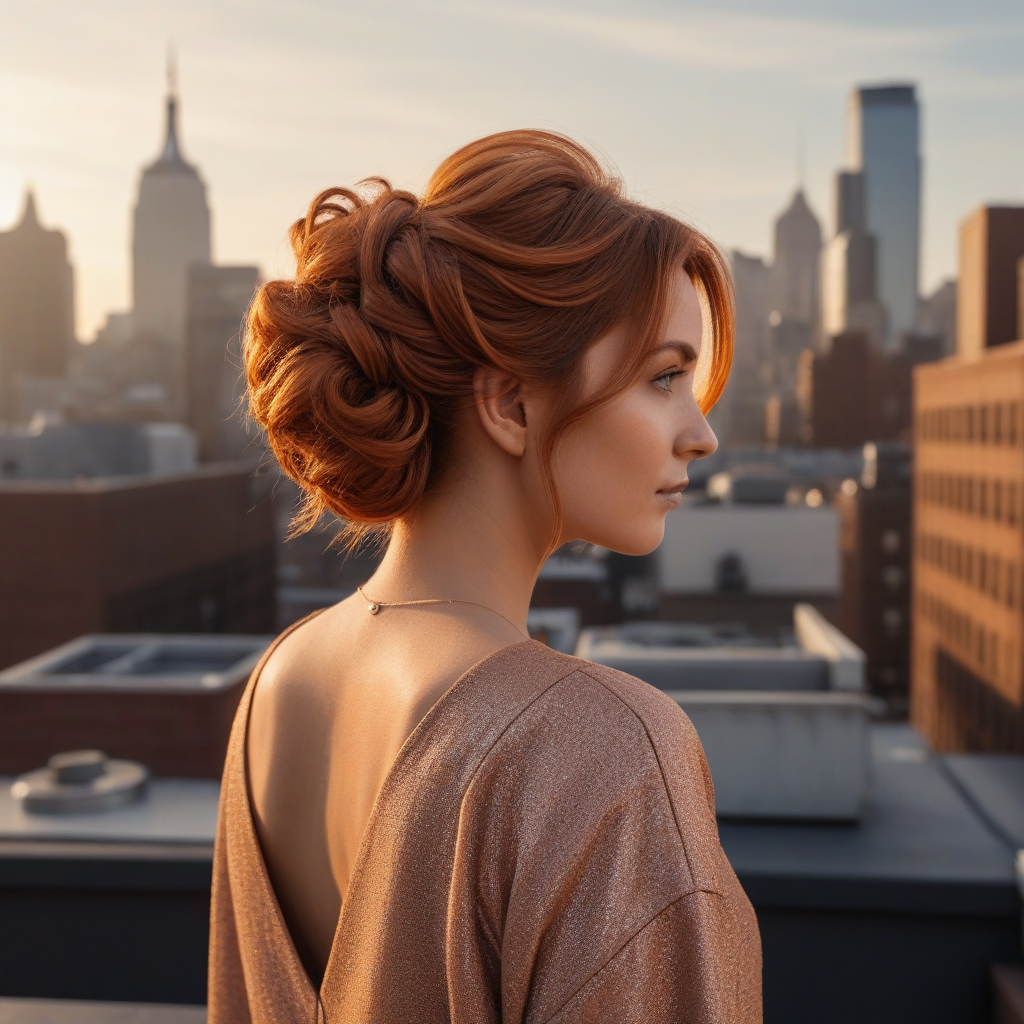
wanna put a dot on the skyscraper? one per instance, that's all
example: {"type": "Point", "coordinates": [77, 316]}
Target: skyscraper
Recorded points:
{"type": "Point", "coordinates": [850, 266]}
{"type": "Point", "coordinates": [218, 298]}
{"type": "Point", "coordinates": [741, 420]}
{"type": "Point", "coordinates": [883, 143]}
{"type": "Point", "coordinates": [172, 232]}
{"type": "Point", "coordinates": [794, 314]}
{"type": "Point", "coordinates": [37, 308]}
{"type": "Point", "coordinates": [795, 270]}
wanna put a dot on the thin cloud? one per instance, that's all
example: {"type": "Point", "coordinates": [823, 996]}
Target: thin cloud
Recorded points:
{"type": "Point", "coordinates": [744, 42]}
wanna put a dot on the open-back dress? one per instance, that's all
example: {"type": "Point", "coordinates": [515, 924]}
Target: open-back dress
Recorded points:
{"type": "Point", "coordinates": [543, 851]}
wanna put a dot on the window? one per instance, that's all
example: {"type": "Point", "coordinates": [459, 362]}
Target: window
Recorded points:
{"type": "Point", "coordinates": [997, 424]}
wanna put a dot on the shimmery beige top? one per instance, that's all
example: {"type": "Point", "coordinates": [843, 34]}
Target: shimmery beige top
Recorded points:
{"type": "Point", "coordinates": [543, 850]}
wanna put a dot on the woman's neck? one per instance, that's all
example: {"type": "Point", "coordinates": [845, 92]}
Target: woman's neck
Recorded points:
{"type": "Point", "coordinates": [471, 544]}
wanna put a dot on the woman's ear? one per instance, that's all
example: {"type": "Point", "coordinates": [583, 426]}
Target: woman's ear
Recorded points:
{"type": "Point", "coordinates": [499, 402]}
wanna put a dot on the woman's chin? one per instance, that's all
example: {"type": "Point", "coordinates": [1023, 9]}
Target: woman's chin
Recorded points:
{"type": "Point", "coordinates": [638, 542]}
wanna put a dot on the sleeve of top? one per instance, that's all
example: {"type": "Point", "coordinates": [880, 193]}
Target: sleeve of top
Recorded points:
{"type": "Point", "coordinates": [591, 872]}
{"type": "Point", "coordinates": [683, 967]}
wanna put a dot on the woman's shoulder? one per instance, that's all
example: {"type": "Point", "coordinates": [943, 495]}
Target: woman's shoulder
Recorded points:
{"type": "Point", "coordinates": [596, 763]}
{"type": "Point", "coordinates": [576, 694]}
{"type": "Point", "coordinates": [604, 729]}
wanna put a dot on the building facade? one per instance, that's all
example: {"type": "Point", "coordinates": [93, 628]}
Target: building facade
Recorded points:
{"type": "Point", "coordinates": [850, 266]}
{"type": "Point", "coordinates": [883, 143]}
{"type": "Point", "coordinates": [192, 553]}
{"type": "Point", "coordinates": [967, 689]}
{"type": "Point", "coordinates": [859, 394]}
{"type": "Point", "coordinates": [936, 316]}
{"type": "Point", "coordinates": [875, 541]}
{"type": "Point", "coordinates": [796, 266]}
{"type": "Point", "coordinates": [218, 298]}
{"type": "Point", "coordinates": [37, 306]}
{"type": "Point", "coordinates": [748, 561]}
{"type": "Point", "coordinates": [988, 305]}
{"type": "Point", "coordinates": [739, 416]}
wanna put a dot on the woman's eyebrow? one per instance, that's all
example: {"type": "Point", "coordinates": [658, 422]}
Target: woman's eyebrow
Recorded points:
{"type": "Point", "coordinates": [684, 348]}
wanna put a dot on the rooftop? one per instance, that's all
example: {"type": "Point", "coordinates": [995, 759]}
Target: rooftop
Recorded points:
{"type": "Point", "coordinates": [139, 662]}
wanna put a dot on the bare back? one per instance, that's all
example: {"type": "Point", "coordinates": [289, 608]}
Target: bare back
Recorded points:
{"type": "Point", "coordinates": [332, 708]}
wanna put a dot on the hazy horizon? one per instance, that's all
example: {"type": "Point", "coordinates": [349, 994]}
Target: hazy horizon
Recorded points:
{"type": "Point", "coordinates": [700, 107]}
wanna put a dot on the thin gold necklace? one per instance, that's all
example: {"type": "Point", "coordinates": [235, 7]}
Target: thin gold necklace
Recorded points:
{"type": "Point", "coordinates": [374, 607]}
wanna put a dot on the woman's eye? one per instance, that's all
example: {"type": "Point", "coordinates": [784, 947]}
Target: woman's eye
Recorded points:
{"type": "Point", "coordinates": [665, 380]}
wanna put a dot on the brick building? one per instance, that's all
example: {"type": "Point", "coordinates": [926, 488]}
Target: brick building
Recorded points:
{"type": "Point", "coordinates": [192, 553]}
{"type": "Point", "coordinates": [875, 537]}
{"type": "Point", "coordinates": [167, 701]}
{"type": "Point", "coordinates": [969, 551]}
{"type": "Point", "coordinates": [988, 304]}
{"type": "Point", "coordinates": [967, 688]}
{"type": "Point", "coordinates": [857, 393]}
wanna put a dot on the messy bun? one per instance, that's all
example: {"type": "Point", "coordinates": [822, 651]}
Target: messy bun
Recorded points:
{"type": "Point", "coordinates": [521, 253]}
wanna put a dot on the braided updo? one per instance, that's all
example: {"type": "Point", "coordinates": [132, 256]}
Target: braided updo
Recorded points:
{"type": "Point", "coordinates": [521, 253]}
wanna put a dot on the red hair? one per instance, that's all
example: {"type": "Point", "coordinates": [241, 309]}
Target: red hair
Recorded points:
{"type": "Point", "coordinates": [522, 252]}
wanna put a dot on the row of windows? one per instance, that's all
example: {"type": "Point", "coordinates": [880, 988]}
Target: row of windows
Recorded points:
{"type": "Point", "coordinates": [998, 423]}
{"type": "Point", "coordinates": [989, 652]}
{"type": "Point", "coordinates": [968, 714]}
{"type": "Point", "coordinates": [998, 578]}
{"type": "Point", "coordinates": [996, 499]}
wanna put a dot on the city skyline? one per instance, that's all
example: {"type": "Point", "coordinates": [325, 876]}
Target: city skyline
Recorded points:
{"type": "Point", "coordinates": [274, 108]}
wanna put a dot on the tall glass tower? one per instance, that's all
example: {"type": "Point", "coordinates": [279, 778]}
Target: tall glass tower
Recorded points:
{"type": "Point", "coordinates": [883, 143]}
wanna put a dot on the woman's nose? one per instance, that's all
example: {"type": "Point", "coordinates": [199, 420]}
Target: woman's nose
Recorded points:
{"type": "Point", "coordinates": [698, 439]}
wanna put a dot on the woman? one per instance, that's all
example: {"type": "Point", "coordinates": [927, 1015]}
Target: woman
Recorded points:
{"type": "Point", "coordinates": [427, 816]}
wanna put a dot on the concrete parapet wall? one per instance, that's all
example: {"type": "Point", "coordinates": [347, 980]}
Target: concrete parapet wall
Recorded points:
{"type": "Point", "coordinates": [783, 755]}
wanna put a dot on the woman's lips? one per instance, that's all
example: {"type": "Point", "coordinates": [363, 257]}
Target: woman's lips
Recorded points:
{"type": "Point", "coordinates": [673, 494]}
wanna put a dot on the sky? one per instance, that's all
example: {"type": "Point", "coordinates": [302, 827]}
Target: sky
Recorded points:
{"type": "Point", "coordinates": [703, 107]}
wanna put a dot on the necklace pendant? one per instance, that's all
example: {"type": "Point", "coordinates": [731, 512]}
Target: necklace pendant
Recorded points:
{"type": "Point", "coordinates": [373, 607]}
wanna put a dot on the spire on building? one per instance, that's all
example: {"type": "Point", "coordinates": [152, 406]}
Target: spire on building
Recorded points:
{"type": "Point", "coordinates": [171, 157]}
{"type": "Point", "coordinates": [172, 70]}
{"type": "Point", "coordinates": [801, 161]}
{"type": "Point", "coordinates": [29, 218]}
